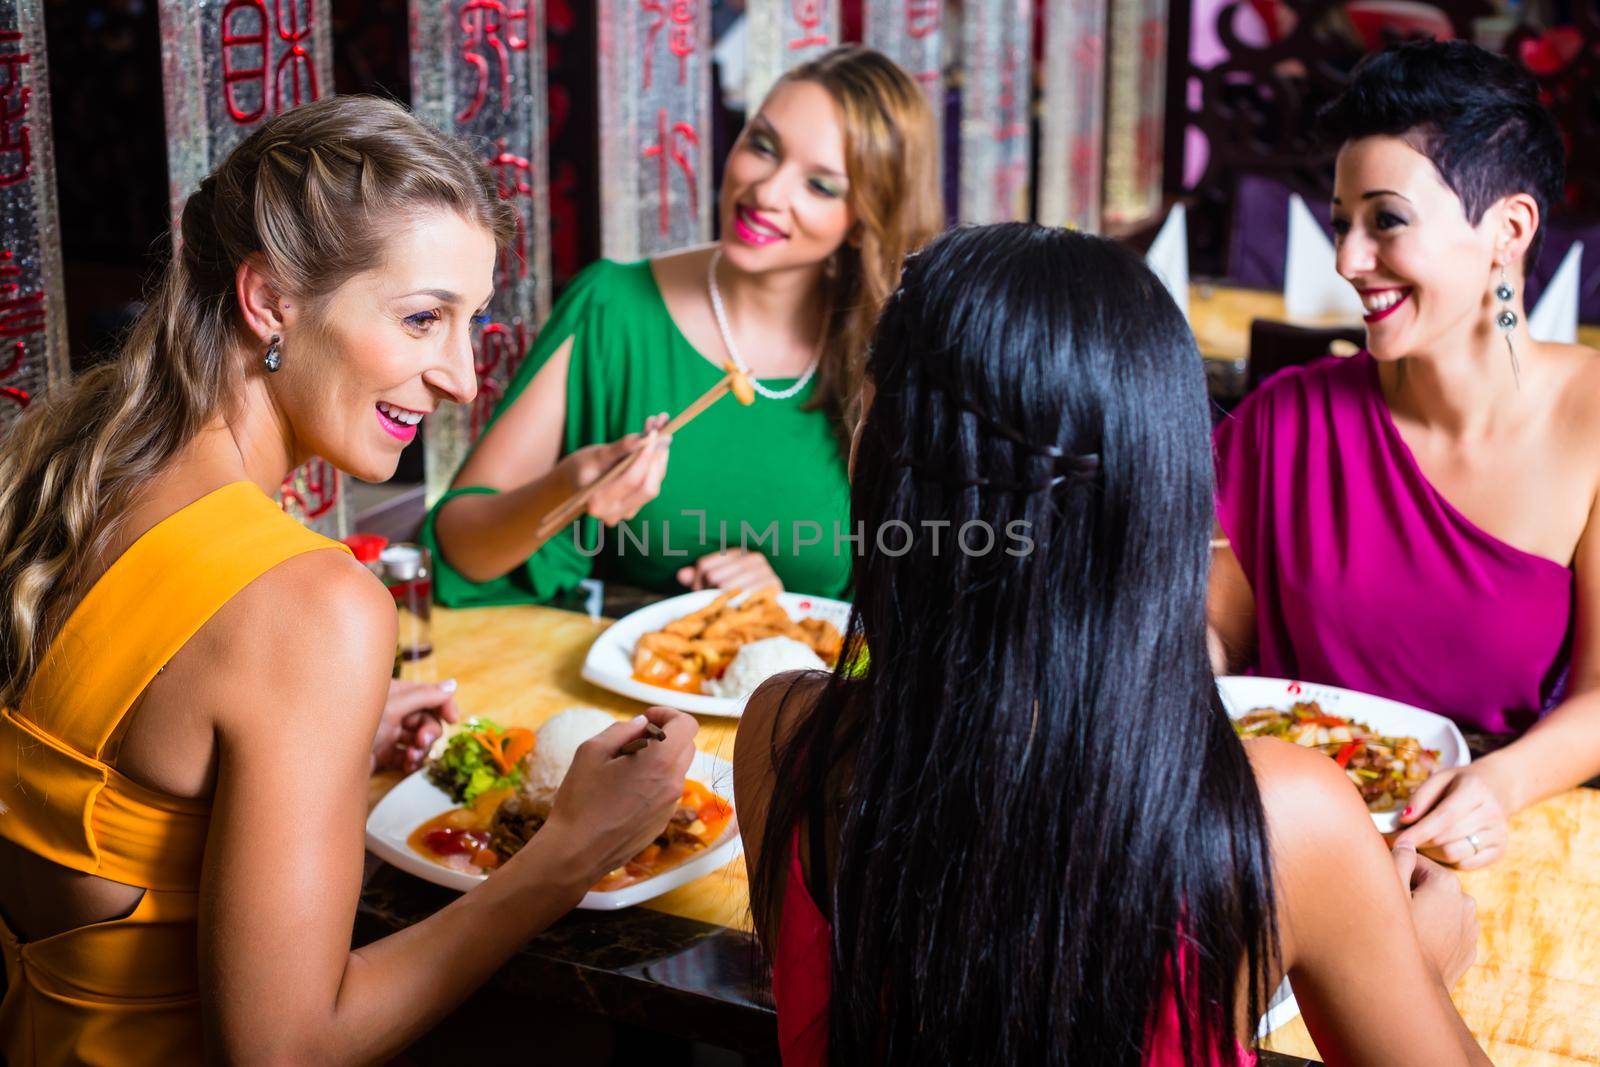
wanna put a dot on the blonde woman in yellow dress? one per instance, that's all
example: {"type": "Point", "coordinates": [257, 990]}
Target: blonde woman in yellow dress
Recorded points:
{"type": "Point", "coordinates": [192, 683]}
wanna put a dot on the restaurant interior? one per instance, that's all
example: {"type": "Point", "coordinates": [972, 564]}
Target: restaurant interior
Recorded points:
{"type": "Point", "coordinates": [611, 132]}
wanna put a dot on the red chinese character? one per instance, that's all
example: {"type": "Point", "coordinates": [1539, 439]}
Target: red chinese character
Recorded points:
{"type": "Point", "coordinates": [1010, 181]}
{"type": "Point", "coordinates": [246, 50]}
{"type": "Point", "coordinates": [1013, 115]}
{"type": "Point", "coordinates": [20, 317]}
{"type": "Point", "coordinates": [665, 152]}
{"type": "Point", "coordinates": [809, 14]}
{"type": "Point", "coordinates": [923, 17]}
{"type": "Point", "coordinates": [322, 490]}
{"type": "Point", "coordinates": [680, 38]}
{"type": "Point", "coordinates": [500, 351]}
{"type": "Point", "coordinates": [1152, 38]}
{"type": "Point", "coordinates": [240, 34]}
{"type": "Point", "coordinates": [14, 98]}
{"type": "Point", "coordinates": [482, 23]}
{"type": "Point", "coordinates": [1085, 158]}
{"type": "Point", "coordinates": [513, 178]}
{"type": "Point", "coordinates": [301, 67]}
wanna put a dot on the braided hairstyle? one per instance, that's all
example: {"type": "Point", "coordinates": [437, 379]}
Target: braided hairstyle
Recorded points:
{"type": "Point", "coordinates": [316, 193]}
{"type": "Point", "coordinates": [1047, 835]}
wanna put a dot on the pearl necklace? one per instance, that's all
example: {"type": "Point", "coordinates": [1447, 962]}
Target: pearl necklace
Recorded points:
{"type": "Point", "coordinates": [733, 352]}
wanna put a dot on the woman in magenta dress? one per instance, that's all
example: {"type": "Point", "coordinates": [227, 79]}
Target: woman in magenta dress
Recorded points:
{"type": "Point", "coordinates": [1024, 832]}
{"type": "Point", "coordinates": [1421, 521]}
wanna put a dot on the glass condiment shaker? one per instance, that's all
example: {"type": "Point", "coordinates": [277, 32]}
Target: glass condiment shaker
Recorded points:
{"type": "Point", "coordinates": [408, 573]}
{"type": "Point", "coordinates": [367, 548]}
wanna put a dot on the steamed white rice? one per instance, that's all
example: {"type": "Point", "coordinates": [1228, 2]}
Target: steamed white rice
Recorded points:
{"type": "Point", "coordinates": [759, 660]}
{"type": "Point", "coordinates": [558, 741]}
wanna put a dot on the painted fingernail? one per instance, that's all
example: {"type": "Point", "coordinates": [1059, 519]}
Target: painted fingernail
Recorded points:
{"type": "Point", "coordinates": [448, 685]}
{"type": "Point", "coordinates": [639, 720]}
{"type": "Point", "coordinates": [1403, 814]}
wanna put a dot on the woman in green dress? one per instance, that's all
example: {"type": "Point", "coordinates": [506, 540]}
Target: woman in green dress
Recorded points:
{"type": "Point", "coordinates": [830, 185]}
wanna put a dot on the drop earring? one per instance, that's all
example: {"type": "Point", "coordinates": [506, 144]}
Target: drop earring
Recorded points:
{"type": "Point", "coordinates": [274, 356]}
{"type": "Point", "coordinates": [1507, 321]}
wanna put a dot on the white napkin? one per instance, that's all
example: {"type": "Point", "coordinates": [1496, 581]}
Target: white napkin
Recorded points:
{"type": "Point", "coordinates": [1169, 256]}
{"type": "Point", "coordinates": [1312, 287]}
{"type": "Point", "coordinates": [1555, 317]}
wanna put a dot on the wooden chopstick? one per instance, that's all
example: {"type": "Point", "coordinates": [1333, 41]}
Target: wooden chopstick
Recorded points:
{"type": "Point", "coordinates": [652, 732]}
{"type": "Point", "coordinates": [572, 507]}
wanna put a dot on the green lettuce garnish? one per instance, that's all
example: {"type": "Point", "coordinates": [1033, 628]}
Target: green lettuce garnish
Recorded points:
{"type": "Point", "coordinates": [465, 769]}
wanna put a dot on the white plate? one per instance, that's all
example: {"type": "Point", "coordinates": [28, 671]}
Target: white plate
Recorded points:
{"type": "Point", "coordinates": [1242, 695]}
{"type": "Point", "coordinates": [1280, 1009]}
{"type": "Point", "coordinates": [609, 663]}
{"type": "Point", "coordinates": [416, 800]}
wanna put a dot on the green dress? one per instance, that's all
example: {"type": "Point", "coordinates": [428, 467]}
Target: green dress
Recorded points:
{"type": "Point", "coordinates": [770, 474]}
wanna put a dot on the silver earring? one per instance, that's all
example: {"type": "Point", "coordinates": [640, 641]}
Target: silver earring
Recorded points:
{"type": "Point", "coordinates": [1507, 321]}
{"type": "Point", "coordinates": [274, 357]}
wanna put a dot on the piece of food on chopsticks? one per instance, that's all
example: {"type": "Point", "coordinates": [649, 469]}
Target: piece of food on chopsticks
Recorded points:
{"type": "Point", "coordinates": [700, 653]}
{"type": "Point", "coordinates": [481, 836]}
{"type": "Point", "coordinates": [1387, 770]}
{"type": "Point", "coordinates": [477, 758]}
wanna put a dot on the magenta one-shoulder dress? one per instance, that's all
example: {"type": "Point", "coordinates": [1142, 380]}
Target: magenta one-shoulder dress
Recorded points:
{"type": "Point", "coordinates": [1365, 576]}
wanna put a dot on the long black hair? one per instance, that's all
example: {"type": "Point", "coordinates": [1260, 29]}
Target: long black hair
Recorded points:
{"type": "Point", "coordinates": [1046, 827]}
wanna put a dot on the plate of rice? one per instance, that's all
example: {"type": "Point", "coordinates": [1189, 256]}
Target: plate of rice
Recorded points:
{"type": "Point", "coordinates": [716, 681]}
{"type": "Point", "coordinates": [497, 813]}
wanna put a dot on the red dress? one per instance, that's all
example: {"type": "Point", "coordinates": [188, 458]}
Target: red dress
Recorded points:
{"type": "Point", "coordinates": [802, 975]}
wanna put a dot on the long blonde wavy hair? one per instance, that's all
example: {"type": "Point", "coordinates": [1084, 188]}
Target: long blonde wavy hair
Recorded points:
{"type": "Point", "coordinates": [891, 160]}
{"type": "Point", "coordinates": [315, 192]}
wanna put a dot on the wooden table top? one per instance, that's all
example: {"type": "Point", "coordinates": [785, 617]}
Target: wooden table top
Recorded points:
{"type": "Point", "coordinates": [1530, 997]}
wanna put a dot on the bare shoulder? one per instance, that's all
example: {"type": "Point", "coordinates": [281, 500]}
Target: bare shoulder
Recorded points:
{"type": "Point", "coordinates": [773, 713]}
{"type": "Point", "coordinates": [1577, 401]}
{"type": "Point", "coordinates": [771, 716]}
{"type": "Point", "coordinates": [1316, 821]}
{"type": "Point", "coordinates": [1322, 838]}
{"type": "Point", "coordinates": [316, 629]}
{"type": "Point", "coordinates": [1306, 796]}
{"type": "Point", "coordinates": [682, 271]}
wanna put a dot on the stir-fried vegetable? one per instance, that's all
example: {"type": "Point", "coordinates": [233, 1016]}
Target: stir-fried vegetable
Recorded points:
{"type": "Point", "coordinates": [1387, 770]}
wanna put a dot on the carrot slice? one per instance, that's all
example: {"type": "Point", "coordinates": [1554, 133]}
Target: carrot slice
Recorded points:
{"type": "Point", "coordinates": [518, 743]}
{"type": "Point", "coordinates": [491, 741]}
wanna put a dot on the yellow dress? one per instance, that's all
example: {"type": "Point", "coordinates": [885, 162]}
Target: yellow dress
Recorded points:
{"type": "Point", "coordinates": [123, 991]}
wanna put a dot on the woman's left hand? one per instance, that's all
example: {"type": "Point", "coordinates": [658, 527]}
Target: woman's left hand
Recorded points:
{"type": "Point", "coordinates": [414, 715]}
{"type": "Point", "coordinates": [1458, 817]}
{"type": "Point", "coordinates": [736, 568]}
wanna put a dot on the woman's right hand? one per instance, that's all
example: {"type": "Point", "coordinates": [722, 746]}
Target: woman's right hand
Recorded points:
{"type": "Point", "coordinates": [609, 807]}
{"type": "Point", "coordinates": [1445, 916]}
{"type": "Point", "coordinates": [636, 486]}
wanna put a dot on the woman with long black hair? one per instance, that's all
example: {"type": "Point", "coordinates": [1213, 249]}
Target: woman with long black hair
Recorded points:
{"type": "Point", "coordinates": [1024, 831]}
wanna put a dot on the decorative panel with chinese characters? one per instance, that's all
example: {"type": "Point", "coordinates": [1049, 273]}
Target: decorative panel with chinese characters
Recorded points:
{"type": "Point", "coordinates": [33, 331]}
{"type": "Point", "coordinates": [1135, 106]}
{"type": "Point", "coordinates": [227, 66]}
{"type": "Point", "coordinates": [655, 125]}
{"type": "Point", "coordinates": [910, 32]}
{"type": "Point", "coordinates": [477, 71]}
{"type": "Point", "coordinates": [780, 34]}
{"type": "Point", "coordinates": [1072, 120]}
{"type": "Point", "coordinates": [996, 110]}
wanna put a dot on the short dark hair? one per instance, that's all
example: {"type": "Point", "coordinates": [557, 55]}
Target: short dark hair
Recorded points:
{"type": "Point", "coordinates": [1474, 114]}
